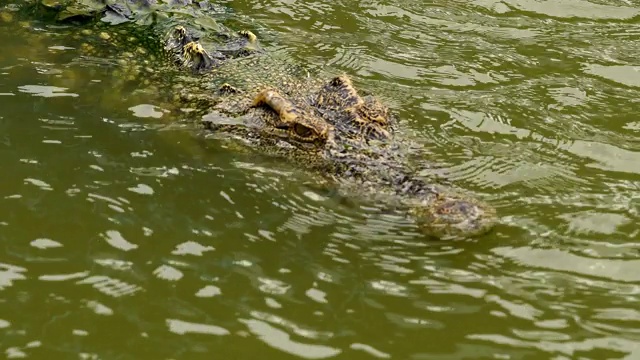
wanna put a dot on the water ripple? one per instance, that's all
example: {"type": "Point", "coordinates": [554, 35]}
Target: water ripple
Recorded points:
{"type": "Point", "coordinates": [138, 238]}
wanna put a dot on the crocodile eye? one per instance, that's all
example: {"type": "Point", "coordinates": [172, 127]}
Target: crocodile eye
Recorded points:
{"type": "Point", "coordinates": [445, 211]}
{"type": "Point", "coordinates": [302, 130]}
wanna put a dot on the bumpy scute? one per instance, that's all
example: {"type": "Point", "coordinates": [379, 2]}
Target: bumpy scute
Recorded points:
{"type": "Point", "coordinates": [227, 89]}
{"type": "Point", "coordinates": [302, 125]}
{"type": "Point", "coordinates": [245, 43]}
{"type": "Point", "coordinates": [251, 37]}
{"type": "Point", "coordinates": [186, 51]}
{"type": "Point", "coordinates": [195, 57]}
{"type": "Point", "coordinates": [348, 109]}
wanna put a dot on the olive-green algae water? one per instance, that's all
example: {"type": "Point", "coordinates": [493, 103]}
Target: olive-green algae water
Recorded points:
{"type": "Point", "coordinates": [126, 235]}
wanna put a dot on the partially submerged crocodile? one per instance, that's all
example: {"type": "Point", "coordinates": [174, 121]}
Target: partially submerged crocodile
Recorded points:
{"type": "Point", "coordinates": [276, 108]}
{"type": "Point", "coordinates": [326, 126]}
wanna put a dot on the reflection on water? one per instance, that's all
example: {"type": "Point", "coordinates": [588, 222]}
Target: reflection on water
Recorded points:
{"type": "Point", "coordinates": [124, 235]}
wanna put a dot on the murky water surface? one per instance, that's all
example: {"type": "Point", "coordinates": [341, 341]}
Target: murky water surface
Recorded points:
{"type": "Point", "coordinates": [126, 236]}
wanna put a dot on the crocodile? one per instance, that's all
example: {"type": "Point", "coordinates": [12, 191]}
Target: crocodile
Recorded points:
{"type": "Point", "coordinates": [276, 107]}
{"type": "Point", "coordinates": [149, 20]}
{"type": "Point", "coordinates": [325, 126]}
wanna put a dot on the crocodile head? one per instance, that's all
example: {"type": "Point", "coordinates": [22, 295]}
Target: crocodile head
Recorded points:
{"type": "Point", "coordinates": [186, 51]}
{"type": "Point", "coordinates": [349, 139]}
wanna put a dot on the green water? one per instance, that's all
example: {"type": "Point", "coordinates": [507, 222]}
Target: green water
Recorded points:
{"type": "Point", "coordinates": [126, 236]}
